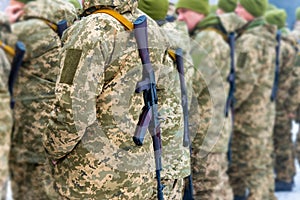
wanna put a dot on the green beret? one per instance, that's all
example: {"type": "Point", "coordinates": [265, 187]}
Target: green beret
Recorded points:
{"type": "Point", "coordinates": [257, 8]}
{"type": "Point", "coordinates": [276, 17]}
{"type": "Point", "coordinates": [25, 1]}
{"type": "Point", "coordinates": [200, 6]}
{"type": "Point", "coordinates": [227, 5]}
{"type": "Point", "coordinates": [156, 9]}
{"type": "Point", "coordinates": [298, 13]}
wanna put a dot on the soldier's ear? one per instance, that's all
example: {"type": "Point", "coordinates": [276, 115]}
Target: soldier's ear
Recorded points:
{"type": "Point", "coordinates": [70, 65]}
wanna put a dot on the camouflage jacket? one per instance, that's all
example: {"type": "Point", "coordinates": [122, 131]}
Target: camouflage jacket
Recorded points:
{"type": "Point", "coordinates": [34, 88]}
{"type": "Point", "coordinates": [288, 52]}
{"type": "Point", "coordinates": [5, 116]}
{"type": "Point", "coordinates": [176, 159]}
{"type": "Point", "coordinates": [90, 130]}
{"type": "Point", "coordinates": [211, 56]}
{"type": "Point", "coordinates": [255, 53]}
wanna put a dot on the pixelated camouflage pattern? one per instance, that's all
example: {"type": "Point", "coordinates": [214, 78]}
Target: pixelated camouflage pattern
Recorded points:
{"type": "Point", "coordinates": [283, 145]}
{"type": "Point", "coordinates": [6, 114]}
{"type": "Point", "coordinates": [176, 159]}
{"type": "Point", "coordinates": [5, 122]}
{"type": "Point", "coordinates": [44, 9]}
{"type": "Point", "coordinates": [173, 189]}
{"type": "Point", "coordinates": [121, 6]}
{"type": "Point", "coordinates": [90, 130]}
{"type": "Point", "coordinates": [294, 91]}
{"type": "Point", "coordinates": [252, 143]}
{"type": "Point", "coordinates": [210, 179]}
{"type": "Point", "coordinates": [34, 94]}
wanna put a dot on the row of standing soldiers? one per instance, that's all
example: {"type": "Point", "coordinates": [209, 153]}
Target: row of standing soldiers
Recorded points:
{"type": "Point", "coordinates": [76, 102]}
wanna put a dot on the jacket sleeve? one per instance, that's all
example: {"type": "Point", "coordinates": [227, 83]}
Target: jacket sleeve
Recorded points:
{"type": "Point", "coordinates": [80, 81]}
{"type": "Point", "coordinates": [246, 74]}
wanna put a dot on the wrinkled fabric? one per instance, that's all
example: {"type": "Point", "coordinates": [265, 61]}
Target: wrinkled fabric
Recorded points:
{"type": "Point", "coordinates": [90, 130]}
{"type": "Point", "coordinates": [211, 56]}
{"type": "Point", "coordinates": [252, 145]}
{"type": "Point", "coordinates": [283, 145]}
{"type": "Point", "coordinates": [34, 94]}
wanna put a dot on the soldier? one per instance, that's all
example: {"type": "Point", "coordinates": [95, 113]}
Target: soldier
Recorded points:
{"type": "Point", "coordinates": [226, 6]}
{"type": "Point", "coordinates": [251, 171]}
{"type": "Point", "coordinates": [176, 160]}
{"type": "Point", "coordinates": [6, 115]}
{"type": "Point", "coordinates": [296, 82]}
{"type": "Point", "coordinates": [211, 56]}
{"type": "Point", "coordinates": [283, 145]}
{"type": "Point", "coordinates": [89, 136]}
{"type": "Point", "coordinates": [34, 95]}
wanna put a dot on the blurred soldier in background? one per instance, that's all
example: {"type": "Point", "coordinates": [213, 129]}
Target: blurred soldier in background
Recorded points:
{"type": "Point", "coordinates": [5, 114]}
{"type": "Point", "coordinates": [34, 94]}
{"type": "Point", "coordinates": [296, 82]}
{"type": "Point", "coordinates": [89, 137]}
{"type": "Point", "coordinates": [175, 158]}
{"type": "Point", "coordinates": [283, 145]}
{"type": "Point", "coordinates": [211, 56]}
{"type": "Point", "coordinates": [251, 170]}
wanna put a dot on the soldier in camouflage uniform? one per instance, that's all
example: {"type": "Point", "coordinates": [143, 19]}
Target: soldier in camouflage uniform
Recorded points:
{"type": "Point", "coordinates": [283, 145]}
{"type": "Point", "coordinates": [34, 95]}
{"type": "Point", "coordinates": [89, 136]}
{"type": "Point", "coordinates": [251, 170]}
{"type": "Point", "coordinates": [6, 115]}
{"type": "Point", "coordinates": [296, 82]}
{"type": "Point", "coordinates": [176, 160]}
{"type": "Point", "coordinates": [211, 56]}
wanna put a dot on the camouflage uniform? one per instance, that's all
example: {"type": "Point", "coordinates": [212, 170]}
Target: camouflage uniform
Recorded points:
{"type": "Point", "coordinates": [252, 145]}
{"type": "Point", "coordinates": [90, 131]}
{"type": "Point", "coordinates": [6, 115]}
{"type": "Point", "coordinates": [296, 88]}
{"type": "Point", "coordinates": [176, 159]}
{"type": "Point", "coordinates": [34, 95]}
{"type": "Point", "coordinates": [210, 53]}
{"type": "Point", "coordinates": [283, 145]}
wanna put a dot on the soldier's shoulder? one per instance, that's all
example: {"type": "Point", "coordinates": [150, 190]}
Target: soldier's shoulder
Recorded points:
{"type": "Point", "coordinates": [52, 10]}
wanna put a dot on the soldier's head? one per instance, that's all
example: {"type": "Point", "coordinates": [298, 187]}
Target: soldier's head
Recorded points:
{"type": "Point", "coordinates": [276, 17]}
{"type": "Point", "coordinates": [192, 11]}
{"type": "Point", "coordinates": [157, 10]}
{"type": "Point", "coordinates": [121, 6]}
{"type": "Point", "coordinates": [226, 6]}
{"type": "Point", "coordinates": [251, 9]}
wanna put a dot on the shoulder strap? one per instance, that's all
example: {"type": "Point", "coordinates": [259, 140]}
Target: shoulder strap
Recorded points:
{"type": "Point", "coordinates": [7, 49]}
{"type": "Point", "coordinates": [128, 24]}
{"type": "Point", "coordinates": [172, 54]}
{"type": "Point", "coordinates": [58, 28]}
